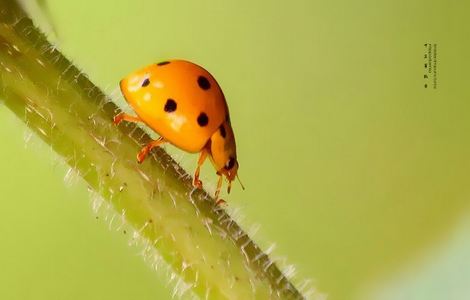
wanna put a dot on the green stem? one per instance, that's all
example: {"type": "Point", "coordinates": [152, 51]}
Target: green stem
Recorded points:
{"type": "Point", "coordinates": [198, 240]}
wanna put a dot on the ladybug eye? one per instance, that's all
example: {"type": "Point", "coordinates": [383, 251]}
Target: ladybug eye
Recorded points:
{"type": "Point", "coordinates": [230, 164]}
{"type": "Point", "coordinates": [145, 82]}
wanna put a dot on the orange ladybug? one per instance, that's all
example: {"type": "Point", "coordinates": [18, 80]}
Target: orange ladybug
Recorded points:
{"type": "Point", "coordinates": [185, 105]}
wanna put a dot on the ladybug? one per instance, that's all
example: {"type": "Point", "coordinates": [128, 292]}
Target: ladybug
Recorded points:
{"type": "Point", "coordinates": [185, 105]}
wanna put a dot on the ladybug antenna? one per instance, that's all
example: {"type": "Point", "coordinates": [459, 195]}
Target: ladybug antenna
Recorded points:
{"type": "Point", "coordinates": [243, 187]}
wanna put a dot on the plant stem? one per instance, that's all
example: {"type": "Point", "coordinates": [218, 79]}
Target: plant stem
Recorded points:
{"type": "Point", "coordinates": [198, 240]}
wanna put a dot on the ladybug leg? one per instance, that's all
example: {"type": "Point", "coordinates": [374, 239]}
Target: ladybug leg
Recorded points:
{"type": "Point", "coordinates": [144, 151]}
{"type": "Point", "coordinates": [202, 157]}
{"type": "Point", "coordinates": [125, 117]}
{"type": "Point", "coordinates": [217, 191]}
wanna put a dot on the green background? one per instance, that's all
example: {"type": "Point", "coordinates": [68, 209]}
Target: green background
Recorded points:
{"type": "Point", "coordinates": [358, 173]}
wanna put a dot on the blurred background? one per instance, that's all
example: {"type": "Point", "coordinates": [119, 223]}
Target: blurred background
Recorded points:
{"type": "Point", "coordinates": [356, 170]}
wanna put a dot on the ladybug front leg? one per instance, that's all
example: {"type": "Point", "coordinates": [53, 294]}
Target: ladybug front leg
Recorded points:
{"type": "Point", "coordinates": [143, 153]}
{"type": "Point", "coordinates": [202, 157]}
{"type": "Point", "coordinates": [125, 117]}
{"type": "Point", "coordinates": [217, 191]}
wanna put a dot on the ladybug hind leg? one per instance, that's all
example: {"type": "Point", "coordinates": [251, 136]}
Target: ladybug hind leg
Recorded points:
{"type": "Point", "coordinates": [145, 151]}
{"type": "Point", "coordinates": [125, 117]}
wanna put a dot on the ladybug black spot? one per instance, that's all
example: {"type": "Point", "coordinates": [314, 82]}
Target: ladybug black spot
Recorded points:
{"type": "Point", "coordinates": [163, 63]}
{"type": "Point", "coordinates": [202, 120]}
{"type": "Point", "coordinates": [145, 82]}
{"type": "Point", "coordinates": [222, 131]}
{"type": "Point", "coordinates": [170, 105]}
{"type": "Point", "coordinates": [203, 83]}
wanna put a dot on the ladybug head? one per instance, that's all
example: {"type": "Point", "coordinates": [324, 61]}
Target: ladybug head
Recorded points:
{"type": "Point", "coordinates": [230, 171]}
{"type": "Point", "coordinates": [222, 150]}
{"type": "Point", "coordinates": [231, 168]}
